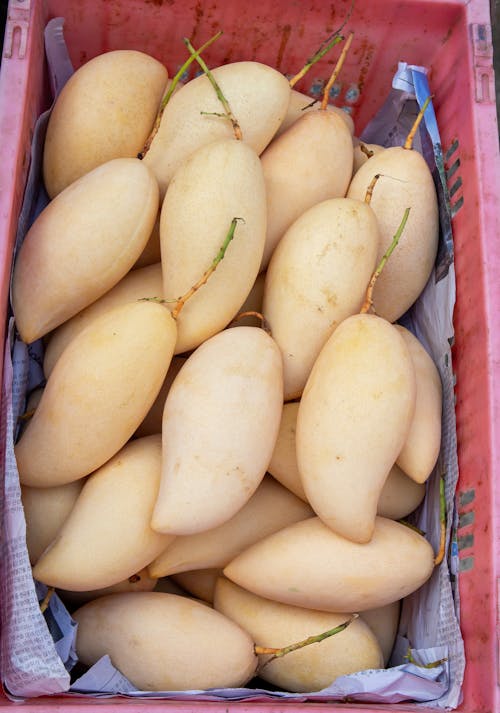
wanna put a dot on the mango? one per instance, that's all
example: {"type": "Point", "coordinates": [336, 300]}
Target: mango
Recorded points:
{"type": "Point", "coordinates": [269, 509]}
{"type": "Point", "coordinates": [353, 419]}
{"type": "Point", "coordinates": [78, 248]}
{"type": "Point", "coordinates": [319, 273]}
{"type": "Point", "coordinates": [163, 642]}
{"type": "Point", "coordinates": [308, 565]}
{"type": "Point", "coordinates": [215, 453]}
{"type": "Point", "coordinates": [405, 182]}
{"type": "Point", "coordinates": [273, 624]}
{"type": "Point", "coordinates": [257, 94]}
{"type": "Point", "coordinates": [222, 181]}
{"type": "Point", "coordinates": [98, 393]}
{"type": "Point", "coordinates": [105, 111]}
{"type": "Point", "coordinates": [107, 536]}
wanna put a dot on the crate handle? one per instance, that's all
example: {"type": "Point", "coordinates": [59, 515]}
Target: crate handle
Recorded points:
{"type": "Point", "coordinates": [482, 51]}
{"type": "Point", "coordinates": [18, 19]}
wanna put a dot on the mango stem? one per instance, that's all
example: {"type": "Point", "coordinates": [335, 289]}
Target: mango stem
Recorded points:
{"type": "Point", "coordinates": [442, 519]}
{"type": "Point", "coordinates": [433, 664]}
{"type": "Point", "coordinates": [227, 109]}
{"type": "Point", "coordinates": [204, 278]}
{"type": "Point", "coordinates": [336, 72]}
{"type": "Point", "coordinates": [251, 313]}
{"type": "Point", "coordinates": [371, 186]}
{"type": "Point", "coordinates": [283, 651]}
{"type": "Point", "coordinates": [368, 303]}
{"type": "Point", "coordinates": [364, 148]}
{"type": "Point", "coordinates": [171, 90]}
{"type": "Point", "coordinates": [45, 601]}
{"type": "Point", "coordinates": [409, 139]}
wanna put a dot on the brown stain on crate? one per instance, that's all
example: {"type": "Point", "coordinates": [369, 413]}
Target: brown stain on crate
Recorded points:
{"type": "Point", "coordinates": [286, 31]}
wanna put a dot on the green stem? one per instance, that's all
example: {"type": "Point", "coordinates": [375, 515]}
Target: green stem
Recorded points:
{"type": "Point", "coordinates": [409, 139]}
{"type": "Point", "coordinates": [442, 522]}
{"type": "Point", "coordinates": [279, 653]}
{"type": "Point", "coordinates": [433, 664]}
{"type": "Point", "coordinates": [368, 300]}
{"type": "Point", "coordinates": [325, 47]}
{"type": "Point", "coordinates": [185, 66]}
{"type": "Point", "coordinates": [171, 90]}
{"type": "Point", "coordinates": [181, 301]}
{"type": "Point", "coordinates": [227, 109]}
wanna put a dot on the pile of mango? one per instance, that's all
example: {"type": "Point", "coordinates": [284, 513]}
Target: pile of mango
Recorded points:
{"type": "Point", "coordinates": [202, 485]}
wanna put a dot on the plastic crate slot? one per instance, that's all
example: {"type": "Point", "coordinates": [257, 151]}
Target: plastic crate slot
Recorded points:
{"type": "Point", "coordinates": [466, 497]}
{"type": "Point", "coordinates": [452, 169]}
{"type": "Point", "coordinates": [454, 188]}
{"type": "Point", "coordinates": [453, 147]}
{"type": "Point", "coordinates": [466, 564]}
{"type": "Point", "coordinates": [466, 518]}
{"type": "Point", "coordinates": [456, 206]}
{"type": "Point", "coordinates": [465, 542]}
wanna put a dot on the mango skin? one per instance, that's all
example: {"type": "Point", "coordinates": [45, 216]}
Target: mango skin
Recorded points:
{"type": "Point", "coordinates": [78, 249]}
{"type": "Point", "coordinates": [352, 422]}
{"type": "Point", "coordinates": [399, 496]}
{"type": "Point", "coordinates": [313, 667]}
{"type": "Point", "coordinates": [101, 388]}
{"type": "Point", "coordinates": [421, 449]}
{"type": "Point", "coordinates": [384, 621]}
{"type": "Point", "coordinates": [200, 583]}
{"type": "Point", "coordinates": [318, 273]}
{"type": "Point", "coordinates": [307, 164]}
{"type": "Point", "coordinates": [105, 111]}
{"type": "Point", "coordinates": [163, 642]}
{"type": "Point", "coordinates": [46, 510]}
{"type": "Point", "coordinates": [297, 108]}
{"type": "Point", "coordinates": [215, 184]}
{"type": "Point", "coordinates": [405, 182]}
{"type": "Point", "coordinates": [269, 509]}
{"type": "Point", "coordinates": [258, 96]}
{"type": "Point", "coordinates": [213, 465]}
{"type": "Point", "coordinates": [144, 282]}
{"type": "Point", "coordinates": [308, 565]}
{"type": "Point", "coordinates": [107, 536]}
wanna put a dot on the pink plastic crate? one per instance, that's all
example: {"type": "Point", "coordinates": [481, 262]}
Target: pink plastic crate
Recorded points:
{"type": "Point", "coordinates": [453, 39]}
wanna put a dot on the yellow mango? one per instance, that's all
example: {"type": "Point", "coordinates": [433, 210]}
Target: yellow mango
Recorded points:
{"type": "Point", "coordinates": [269, 509]}
{"type": "Point", "coordinates": [200, 583]}
{"type": "Point", "coordinates": [101, 388]}
{"type": "Point", "coordinates": [220, 423]}
{"type": "Point", "coordinates": [313, 667]}
{"type": "Point", "coordinates": [107, 536]}
{"type": "Point", "coordinates": [163, 642]}
{"type": "Point", "coordinates": [399, 497]}
{"type": "Point", "coordinates": [362, 153]}
{"type": "Point", "coordinates": [46, 510]}
{"type": "Point", "coordinates": [310, 162]}
{"type": "Point", "coordinates": [352, 422]}
{"type": "Point", "coordinates": [301, 103]}
{"type": "Point", "coordinates": [146, 282]}
{"type": "Point", "coordinates": [421, 449]}
{"type": "Point", "coordinates": [223, 181]}
{"type": "Point", "coordinates": [318, 275]}
{"type": "Point", "coordinates": [384, 621]}
{"type": "Point", "coordinates": [257, 94]}
{"type": "Point", "coordinates": [405, 182]}
{"type": "Point", "coordinates": [138, 582]}
{"type": "Point", "coordinates": [308, 565]}
{"type": "Point", "coordinates": [82, 244]}
{"type": "Point", "coordinates": [105, 111]}
{"type": "Point", "coordinates": [153, 419]}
